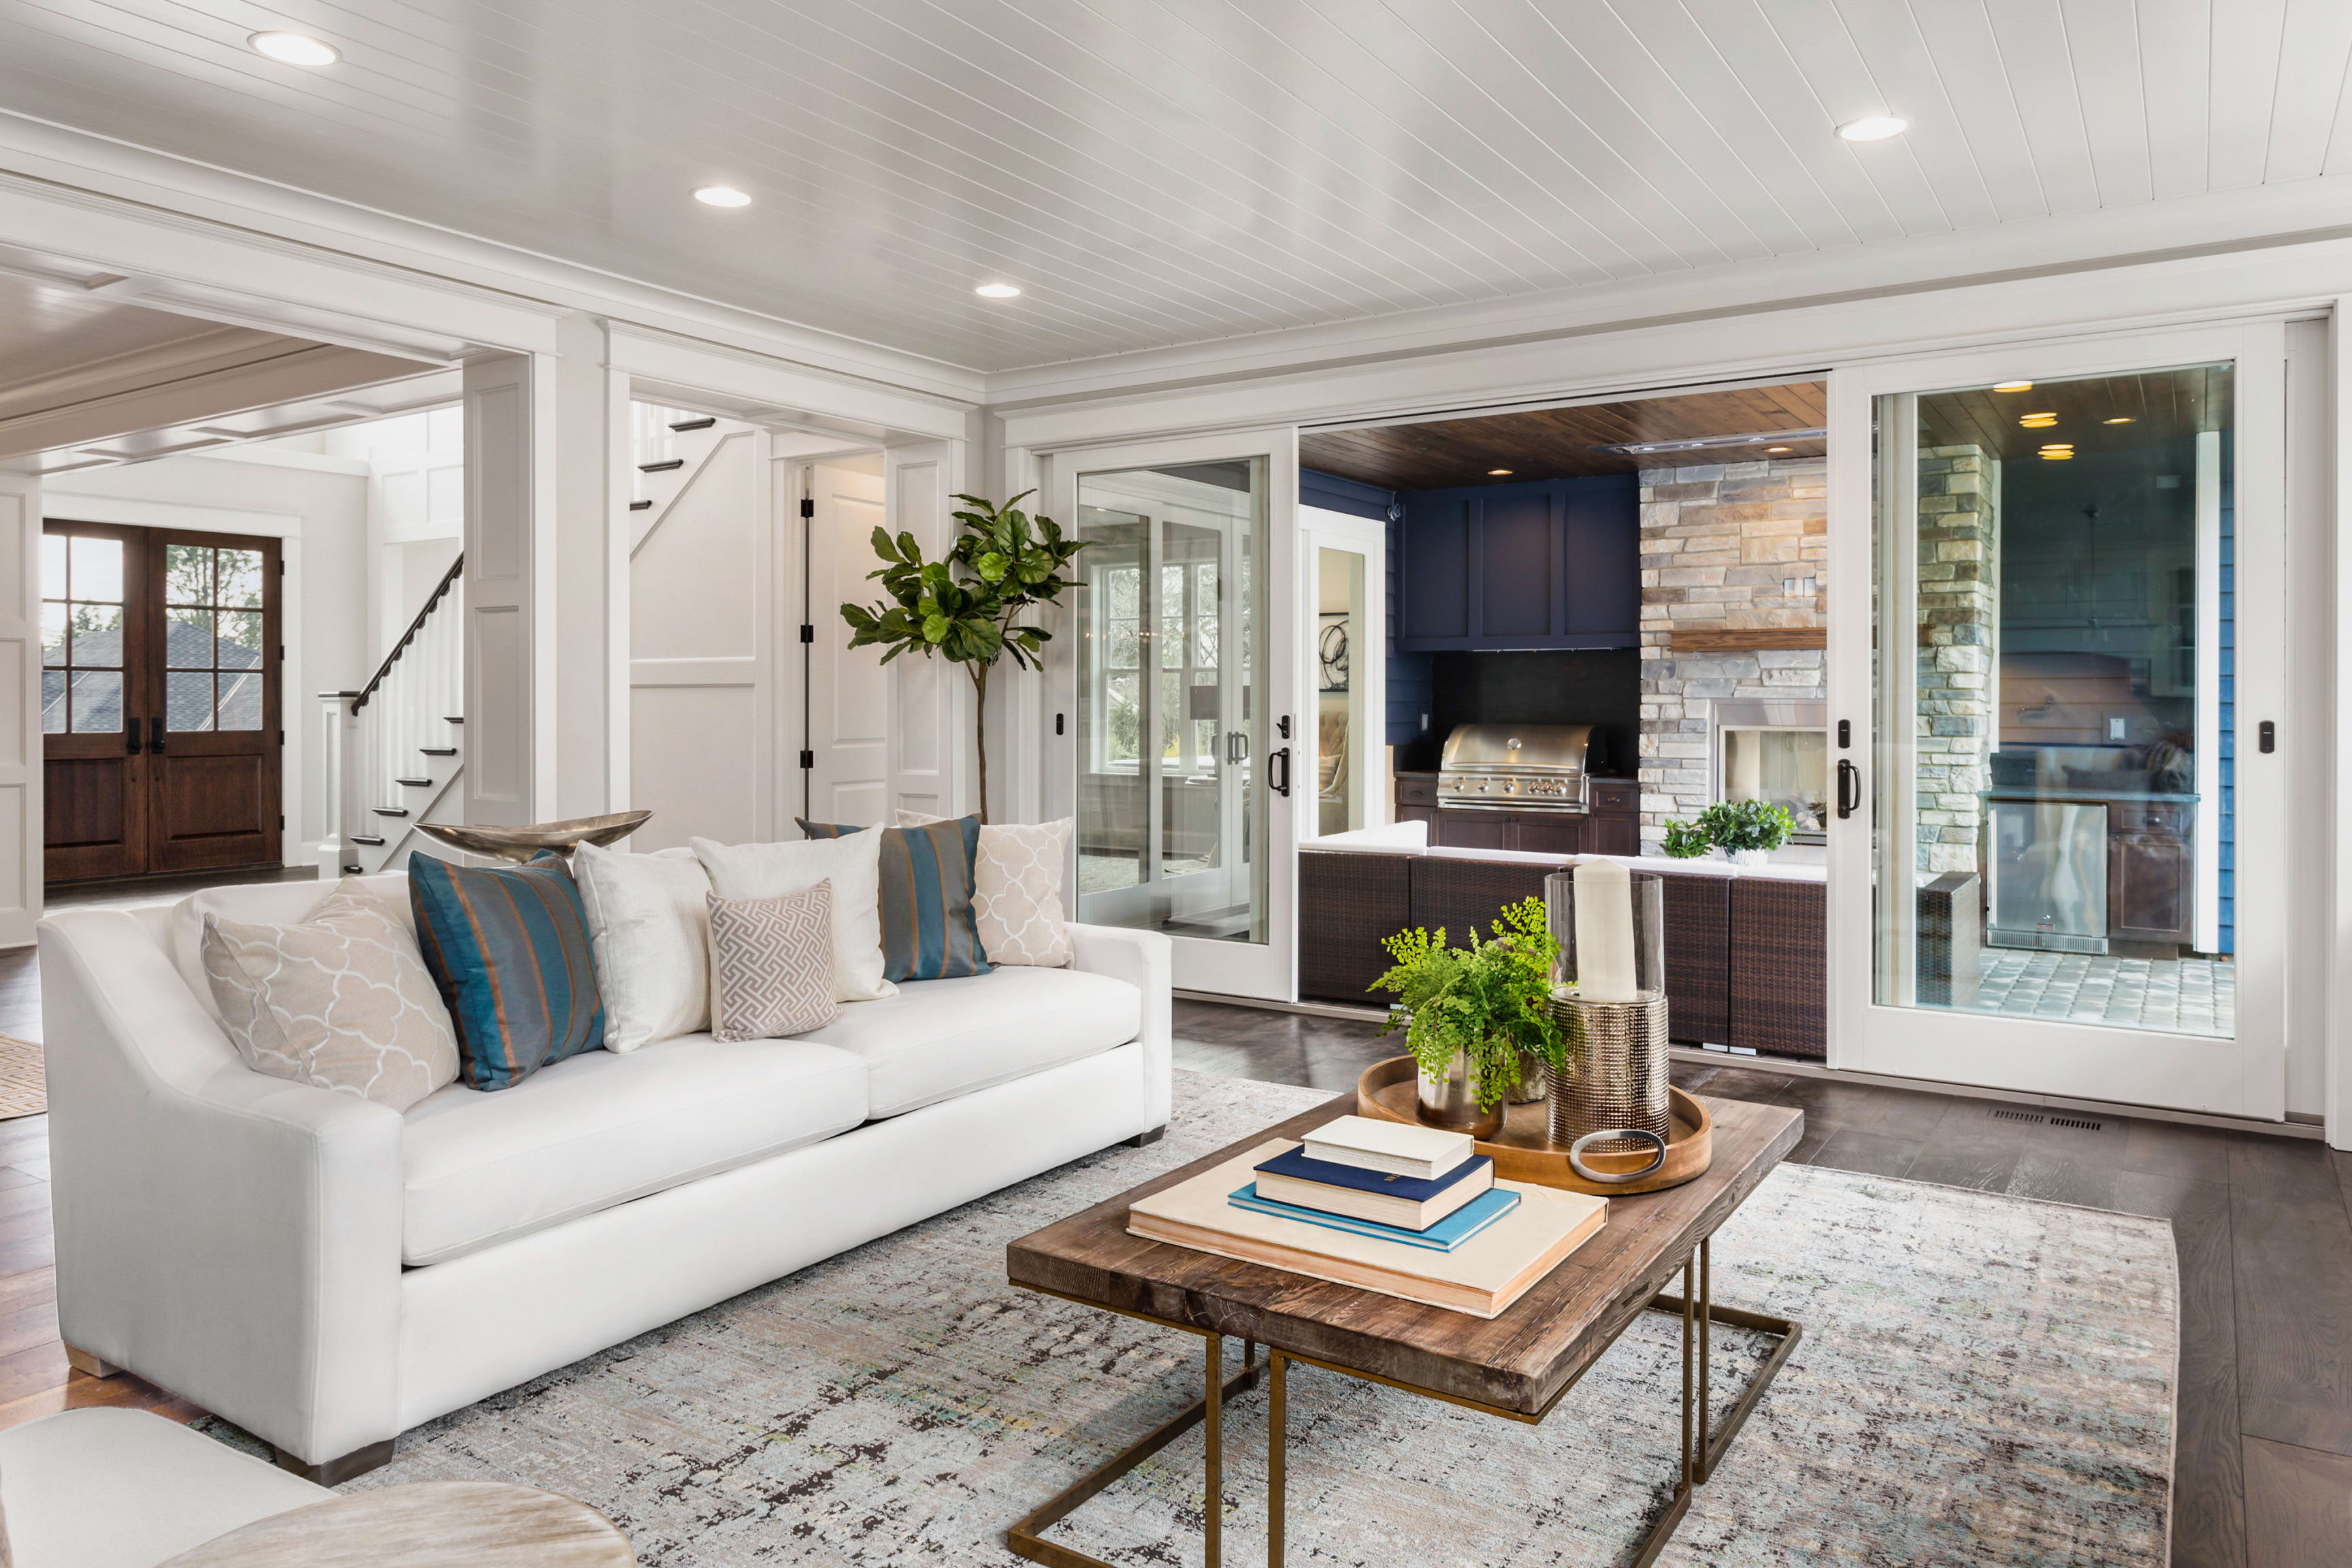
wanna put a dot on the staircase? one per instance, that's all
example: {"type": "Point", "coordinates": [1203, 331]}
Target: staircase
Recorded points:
{"type": "Point", "coordinates": [398, 745]}
{"type": "Point", "coordinates": [666, 446]}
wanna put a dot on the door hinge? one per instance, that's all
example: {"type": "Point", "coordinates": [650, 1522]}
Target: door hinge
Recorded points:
{"type": "Point", "coordinates": [808, 633]}
{"type": "Point", "coordinates": [808, 761]}
{"type": "Point", "coordinates": [281, 566]}
{"type": "Point", "coordinates": [281, 822]}
{"type": "Point", "coordinates": [281, 737]}
{"type": "Point", "coordinates": [808, 506]}
{"type": "Point", "coordinates": [281, 652]}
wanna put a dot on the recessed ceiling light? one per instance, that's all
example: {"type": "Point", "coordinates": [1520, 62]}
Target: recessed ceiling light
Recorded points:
{"type": "Point", "coordinates": [1775, 448]}
{"type": "Point", "coordinates": [1498, 473]}
{"type": "Point", "coordinates": [998, 291]}
{"type": "Point", "coordinates": [2056, 456]}
{"type": "Point", "coordinates": [2119, 420]}
{"type": "Point", "coordinates": [294, 50]}
{"type": "Point", "coordinates": [2039, 421]}
{"type": "Point", "coordinates": [1873, 128]}
{"type": "Point", "coordinates": [721, 196]}
{"type": "Point", "coordinates": [2012, 387]}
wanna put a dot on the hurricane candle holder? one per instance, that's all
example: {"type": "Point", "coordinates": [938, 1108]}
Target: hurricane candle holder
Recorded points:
{"type": "Point", "coordinates": [1609, 997]}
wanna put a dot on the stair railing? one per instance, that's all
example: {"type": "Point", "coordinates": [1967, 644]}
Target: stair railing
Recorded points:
{"type": "Point", "coordinates": [396, 743]}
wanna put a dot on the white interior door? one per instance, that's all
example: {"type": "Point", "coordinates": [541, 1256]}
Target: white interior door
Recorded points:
{"type": "Point", "coordinates": [1177, 657]}
{"type": "Point", "coordinates": [2060, 861]}
{"type": "Point", "coordinates": [848, 690]}
{"type": "Point", "coordinates": [1343, 576]}
{"type": "Point", "coordinates": [20, 707]}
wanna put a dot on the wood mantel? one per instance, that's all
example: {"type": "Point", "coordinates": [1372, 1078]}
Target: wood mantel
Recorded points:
{"type": "Point", "coordinates": [1748, 640]}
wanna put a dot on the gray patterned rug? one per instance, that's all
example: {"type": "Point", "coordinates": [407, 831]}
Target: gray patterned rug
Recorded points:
{"type": "Point", "coordinates": [1983, 1380]}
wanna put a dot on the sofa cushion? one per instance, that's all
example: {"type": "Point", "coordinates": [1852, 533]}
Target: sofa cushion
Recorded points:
{"type": "Point", "coordinates": [939, 1039]}
{"type": "Point", "coordinates": [1016, 888]}
{"type": "Point", "coordinates": [924, 884]}
{"type": "Point", "coordinates": [600, 1129]}
{"type": "Point", "coordinates": [509, 947]}
{"type": "Point", "coordinates": [652, 937]}
{"type": "Point", "coordinates": [264, 903]}
{"type": "Point", "coordinates": [771, 964]}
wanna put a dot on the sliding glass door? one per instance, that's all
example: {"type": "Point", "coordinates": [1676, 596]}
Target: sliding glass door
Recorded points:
{"type": "Point", "coordinates": [1177, 659]}
{"type": "Point", "coordinates": [2059, 853]}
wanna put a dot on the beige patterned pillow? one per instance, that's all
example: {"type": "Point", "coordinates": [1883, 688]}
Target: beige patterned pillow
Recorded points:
{"type": "Point", "coordinates": [343, 1001]}
{"type": "Point", "coordinates": [1016, 893]}
{"type": "Point", "coordinates": [771, 964]}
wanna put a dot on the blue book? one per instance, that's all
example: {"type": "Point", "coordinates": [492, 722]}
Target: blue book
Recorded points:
{"type": "Point", "coordinates": [1301, 1166]}
{"type": "Point", "coordinates": [1444, 1236]}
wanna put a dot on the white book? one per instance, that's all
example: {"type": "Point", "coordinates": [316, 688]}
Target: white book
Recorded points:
{"type": "Point", "coordinates": [1398, 1148]}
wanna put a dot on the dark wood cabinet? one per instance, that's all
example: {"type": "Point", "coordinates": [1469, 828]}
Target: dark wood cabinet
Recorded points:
{"type": "Point", "coordinates": [2151, 881]}
{"type": "Point", "coordinates": [1551, 565]}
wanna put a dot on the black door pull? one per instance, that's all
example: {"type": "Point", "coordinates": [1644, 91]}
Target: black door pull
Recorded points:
{"type": "Point", "coordinates": [2267, 736]}
{"type": "Point", "coordinates": [131, 737]}
{"type": "Point", "coordinates": [1849, 787]}
{"type": "Point", "coordinates": [155, 737]}
{"type": "Point", "coordinates": [1279, 786]}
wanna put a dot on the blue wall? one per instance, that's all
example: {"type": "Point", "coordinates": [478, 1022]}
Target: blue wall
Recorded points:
{"type": "Point", "coordinates": [1411, 684]}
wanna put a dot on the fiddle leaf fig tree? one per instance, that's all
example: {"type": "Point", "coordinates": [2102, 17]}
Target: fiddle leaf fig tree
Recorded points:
{"type": "Point", "coordinates": [967, 606]}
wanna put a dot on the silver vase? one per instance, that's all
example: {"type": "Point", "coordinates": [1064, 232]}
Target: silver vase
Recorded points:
{"type": "Point", "coordinates": [1617, 1056]}
{"type": "Point", "coordinates": [1451, 1102]}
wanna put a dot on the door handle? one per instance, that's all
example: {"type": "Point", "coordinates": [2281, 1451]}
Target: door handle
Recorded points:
{"type": "Point", "coordinates": [1849, 780]}
{"type": "Point", "coordinates": [131, 737]}
{"type": "Point", "coordinates": [1280, 787]}
{"type": "Point", "coordinates": [155, 736]}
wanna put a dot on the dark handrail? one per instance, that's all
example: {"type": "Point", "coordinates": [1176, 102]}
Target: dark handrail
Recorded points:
{"type": "Point", "coordinates": [448, 577]}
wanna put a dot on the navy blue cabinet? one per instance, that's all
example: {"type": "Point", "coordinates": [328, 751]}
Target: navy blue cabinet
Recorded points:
{"type": "Point", "coordinates": [1550, 563]}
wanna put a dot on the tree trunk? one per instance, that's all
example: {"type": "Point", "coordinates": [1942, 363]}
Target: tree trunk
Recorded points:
{"type": "Point", "coordinates": [979, 732]}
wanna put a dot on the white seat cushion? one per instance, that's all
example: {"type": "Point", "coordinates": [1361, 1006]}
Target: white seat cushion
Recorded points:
{"type": "Point", "coordinates": [939, 1039]}
{"type": "Point", "coordinates": [596, 1130]}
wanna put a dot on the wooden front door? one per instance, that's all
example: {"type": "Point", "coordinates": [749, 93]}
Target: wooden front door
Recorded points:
{"type": "Point", "coordinates": [159, 701]}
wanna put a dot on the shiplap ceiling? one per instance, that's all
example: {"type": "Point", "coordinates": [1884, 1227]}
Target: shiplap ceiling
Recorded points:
{"type": "Point", "coordinates": [1157, 174]}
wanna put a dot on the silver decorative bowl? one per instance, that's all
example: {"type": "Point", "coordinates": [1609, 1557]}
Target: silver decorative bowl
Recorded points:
{"type": "Point", "coordinates": [519, 844]}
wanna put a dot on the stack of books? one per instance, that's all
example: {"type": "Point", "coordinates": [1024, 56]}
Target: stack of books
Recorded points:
{"type": "Point", "coordinates": [1407, 1211]}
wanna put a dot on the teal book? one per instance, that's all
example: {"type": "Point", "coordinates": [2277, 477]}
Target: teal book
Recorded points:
{"type": "Point", "coordinates": [1444, 1236]}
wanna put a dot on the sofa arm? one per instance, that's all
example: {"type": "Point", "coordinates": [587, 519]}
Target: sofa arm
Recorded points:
{"type": "Point", "coordinates": [232, 1236]}
{"type": "Point", "coordinates": [1144, 960]}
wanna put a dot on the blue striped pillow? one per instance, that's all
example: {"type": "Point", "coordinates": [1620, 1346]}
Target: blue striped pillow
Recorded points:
{"type": "Point", "coordinates": [927, 932]}
{"type": "Point", "coordinates": [508, 945]}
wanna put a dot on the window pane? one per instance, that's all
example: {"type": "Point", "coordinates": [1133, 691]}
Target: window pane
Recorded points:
{"type": "Point", "coordinates": [53, 566]}
{"type": "Point", "coordinates": [188, 701]}
{"type": "Point", "coordinates": [98, 569]}
{"type": "Point", "coordinates": [188, 640]}
{"type": "Point", "coordinates": [1123, 715]}
{"type": "Point", "coordinates": [240, 579]}
{"type": "Point", "coordinates": [1123, 654]}
{"type": "Point", "coordinates": [97, 636]}
{"type": "Point", "coordinates": [240, 700]}
{"type": "Point", "coordinates": [1171, 642]}
{"type": "Point", "coordinates": [240, 642]}
{"type": "Point", "coordinates": [53, 634]}
{"type": "Point", "coordinates": [53, 702]}
{"type": "Point", "coordinates": [97, 701]}
{"type": "Point", "coordinates": [187, 575]}
{"type": "Point", "coordinates": [1125, 604]}
{"type": "Point", "coordinates": [1204, 637]}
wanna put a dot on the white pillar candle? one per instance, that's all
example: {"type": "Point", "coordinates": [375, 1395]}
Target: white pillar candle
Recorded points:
{"type": "Point", "coordinates": [1604, 932]}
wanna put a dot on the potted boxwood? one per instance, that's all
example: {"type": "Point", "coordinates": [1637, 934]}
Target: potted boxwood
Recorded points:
{"type": "Point", "coordinates": [1472, 1014]}
{"type": "Point", "coordinates": [1746, 830]}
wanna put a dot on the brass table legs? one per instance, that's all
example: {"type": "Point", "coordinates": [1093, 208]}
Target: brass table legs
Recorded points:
{"type": "Point", "coordinates": [1703, 1443]}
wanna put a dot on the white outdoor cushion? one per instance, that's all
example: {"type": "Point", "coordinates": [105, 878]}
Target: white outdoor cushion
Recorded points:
{"type": "Point", "coordinates": [652, 937]}
{"type": "Point", "coordinates": [266, 903]}
{"type": "Point", "coordinates": [596, 1130]}
{"type": "Point", "coordinates": [939, 1039]}
{"type": "Point", "coordinates": [852, 863]}
{"type": "Point", "coordinates": [127, 1489]}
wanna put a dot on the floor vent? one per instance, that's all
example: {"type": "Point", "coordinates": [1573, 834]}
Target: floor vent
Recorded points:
{"type": "Point", "coordinates": [2005, 1115]}
{"type": "Point", "coordinates": [2082, 1122]}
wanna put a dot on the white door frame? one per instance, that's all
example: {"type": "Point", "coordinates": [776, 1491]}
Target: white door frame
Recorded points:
{"type": "Point", "coordinates": [2245, 1076]}
{"type": "Point", "coordinates": [1267, 970]}
{"type": "Point", "coordinates": [1368, 776]}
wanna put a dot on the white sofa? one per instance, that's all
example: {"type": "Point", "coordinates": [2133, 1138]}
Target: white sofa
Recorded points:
{"type": "Point", "coordinates": [327, 1272]}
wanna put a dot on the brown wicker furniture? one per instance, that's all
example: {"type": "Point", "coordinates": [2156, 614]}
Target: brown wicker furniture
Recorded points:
{"type": "Point", "coordinates": [1780, 966]}
{"type": "Point", "coordinates": [1356, 900]}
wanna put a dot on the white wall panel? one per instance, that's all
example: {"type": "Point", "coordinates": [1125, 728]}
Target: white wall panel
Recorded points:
{"type": "Point", "coordinates": [849, 690]}
{"type": "Point", "coordinates": [20, 708]}
{"type": "Point", "coordinates": [930, 700]}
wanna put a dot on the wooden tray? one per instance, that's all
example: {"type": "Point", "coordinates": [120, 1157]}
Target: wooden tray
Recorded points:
{"type": "Point", "coordinates": [1523, 1151]}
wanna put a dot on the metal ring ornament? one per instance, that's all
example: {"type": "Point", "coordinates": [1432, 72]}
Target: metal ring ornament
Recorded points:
{"type": "Point", "coordinates": [1608, 1178]}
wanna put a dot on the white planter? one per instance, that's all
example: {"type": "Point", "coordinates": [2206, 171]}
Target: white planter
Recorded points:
{"type": "Point", "coordinates": [1751, 856]}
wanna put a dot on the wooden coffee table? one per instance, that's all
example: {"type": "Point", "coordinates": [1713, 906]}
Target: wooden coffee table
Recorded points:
{"type": "Point", "coordinates": [1516, 1366]}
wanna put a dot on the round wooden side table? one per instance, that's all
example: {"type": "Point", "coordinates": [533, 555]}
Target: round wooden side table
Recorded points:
{"type": "Point", "coordinates": [428, 1524]}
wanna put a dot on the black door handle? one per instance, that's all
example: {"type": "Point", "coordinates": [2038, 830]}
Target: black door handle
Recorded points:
{"type": "Point", "coordinates": [1849, 778]}
{"type": "Point", "coordinates": [155, 736]}
{"type": "Point", "coordinates": [131, 737]}
{"type": "Point", "coordinates": [1280, 787]}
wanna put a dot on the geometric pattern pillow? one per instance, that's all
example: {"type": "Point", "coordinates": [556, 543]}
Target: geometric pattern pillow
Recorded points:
{"type": "Point", "coordinates": [924, 888]}
{"type": "Point", "coordinates": [509, 949]}
{"type": "Point", "coordinates": [342, 1001]}
{"type": "Point", "coordinates": [771, 964]}
{"type": "Point", "coordinates": [1017, 901]}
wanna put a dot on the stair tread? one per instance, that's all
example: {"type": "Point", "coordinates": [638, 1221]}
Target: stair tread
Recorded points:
{"type": "Point", "coordinates": [453, 718]}
{"type": "Point", "coordinates": [416, 783]}
{"type": "Point", "coordinates": [661, 467]}
{"type": "Point", "coordinates": [390, 810]}
{"type": "Point", "coordinates": [438, 750]}
{"type": "Point", "coordinates": [641, 506]}
{"type": "Point", "coordinates": [365, 838]}
{"type": "Point", "coordinates": [705, 422]}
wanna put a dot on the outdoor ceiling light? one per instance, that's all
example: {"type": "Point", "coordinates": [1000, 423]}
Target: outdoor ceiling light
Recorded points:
{"type": "Point", "coordinates": [998, 291]}
{"type": "Point", "coordinates": [2012, 387]}
{"type": "Point", "coordinates": [294, 50]}
{"type": "Point", "coordinates": [1873, 128]}
{"type": "Point", "coordinates": [2039, 421]}
{"type": "Point", "coordinates": [721, 196]}
{"type": "Point", "coordinates": [2119, 420]}
{"type": "Point", "coordinates": [1498, 473]}
{"type": "Point", "coordinates": [1710, 443]}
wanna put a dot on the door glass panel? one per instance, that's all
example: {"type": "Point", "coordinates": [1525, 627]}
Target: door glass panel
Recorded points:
{"type": "Point", "coordinates": [53, 702]}
{"type": "Point", "coordinates": [1168, 820]}
{"type": "Point", "coordinates": [53, 566]}
{"type": "Point", "coordinates": [240, 646]}
{"type": "Point", "coordinates": [97, 570]}
{"type": "Point", "coordinates": [53, 634]}
{"type": "Point", "coordinates": [240, 700]}
{"type": "Point", "coordinates": [97, 636]}
{"type": "Point", "coordinates": [240, 579]}
{"type": "Point", "coordinates": [188, 574]}
{"type": "Point", "coordinates": [1339, 717]}
{"type": "Point", "coordinates": [2054, 823]}
{"type": "Point", "coordinates": [188, 701]}
{"type": "Point", "coordinates": [97, 701]}
{"type": "Point", "coordinates": [188, 640]}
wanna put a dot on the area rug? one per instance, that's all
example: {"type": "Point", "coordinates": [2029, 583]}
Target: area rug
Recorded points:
{"type": "Point", "coordinates": [24, 1087]}
{"type": "Point", "coordinates": [1982, 1380]}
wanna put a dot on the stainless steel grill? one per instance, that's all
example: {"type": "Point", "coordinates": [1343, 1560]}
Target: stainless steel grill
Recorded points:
{"type": "Point", "coordinates": [1515, 767]}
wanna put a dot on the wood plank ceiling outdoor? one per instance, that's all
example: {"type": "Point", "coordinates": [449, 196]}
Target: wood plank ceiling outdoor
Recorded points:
{"type": "Point", "coordinates": [1563, 443]}
{"type": "Point", "coordinates": [1154, 175]}
{"type": "Point", "coordinates": [2101, 414]}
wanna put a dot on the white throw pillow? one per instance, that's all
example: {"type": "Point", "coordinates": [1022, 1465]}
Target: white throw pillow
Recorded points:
{"type": "Point", "coordinates": [852, 864]}
{"type": "Point", "coordinates": [652, 934]}
{"type": "Point", "coordinates": [343, 1001]}
{"type": "Point", "coordinates": [1016, 889]}
{"type": "Point", "coordinates": [771, 964]}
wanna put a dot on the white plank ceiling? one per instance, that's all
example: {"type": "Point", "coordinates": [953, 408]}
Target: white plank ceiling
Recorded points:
{"type": "Point", "coordinates": [1163, 174]}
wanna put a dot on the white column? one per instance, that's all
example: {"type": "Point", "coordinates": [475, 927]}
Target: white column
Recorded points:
{"type": "Point", "coordinates": [20, 707]}
{"type": "Point", "coordinates": [592, 575]}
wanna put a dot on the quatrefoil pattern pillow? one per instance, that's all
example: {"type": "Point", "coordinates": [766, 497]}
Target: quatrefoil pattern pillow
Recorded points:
{"type": "Point", "coordinates": [342, 1001]}
{"type": "Point", "coordinates": [1016, 889]}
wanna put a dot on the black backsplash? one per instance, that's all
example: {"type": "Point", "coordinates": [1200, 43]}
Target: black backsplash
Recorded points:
{"type": "Point", "coordinates": [1601, 688]}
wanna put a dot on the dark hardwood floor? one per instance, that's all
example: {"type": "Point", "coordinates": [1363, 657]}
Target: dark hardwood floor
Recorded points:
{"type": "Point", "coordinates": [2264, 1471]}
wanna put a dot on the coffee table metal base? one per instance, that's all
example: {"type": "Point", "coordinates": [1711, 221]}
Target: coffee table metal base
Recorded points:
{"type": "Point", "coordinates": [1703, 1447]}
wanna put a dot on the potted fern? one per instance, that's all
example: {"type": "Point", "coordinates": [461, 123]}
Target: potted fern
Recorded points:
{"type": "Point", "coordinates": [1475, 1017]}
